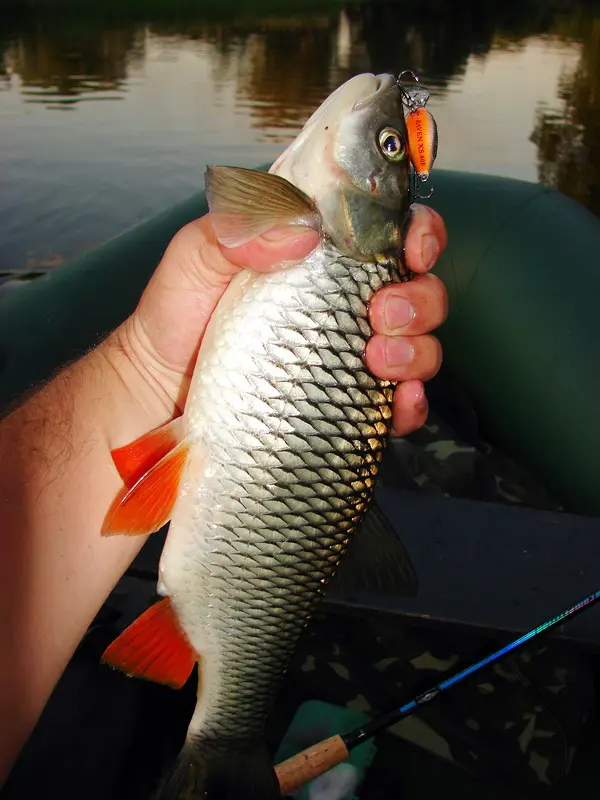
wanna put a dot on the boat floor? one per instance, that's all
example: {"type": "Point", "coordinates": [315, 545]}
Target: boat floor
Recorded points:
{"type": "Point", "coordinates": [106, 737]}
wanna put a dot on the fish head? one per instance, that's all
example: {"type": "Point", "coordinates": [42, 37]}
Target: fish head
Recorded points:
{"type": "Point", "coordinates": [351, 158]}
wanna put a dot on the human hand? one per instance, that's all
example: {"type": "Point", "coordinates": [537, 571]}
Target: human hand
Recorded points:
{"type": "Point", "coordinates": [403, 315]}
{"type": "Point", "coordinates": [156, 347]}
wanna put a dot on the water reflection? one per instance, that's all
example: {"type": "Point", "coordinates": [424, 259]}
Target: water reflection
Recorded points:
{"type": "Point", "coordinates": [233, 81]}
{"type": "Point", "coordinates": [65, 65]}
{"type": "Point", "coordinates": [282, 66]}
{"type": "Point", "coordinates": [568, 137]}
{"type": "Point", "coordinates": [284, 74]}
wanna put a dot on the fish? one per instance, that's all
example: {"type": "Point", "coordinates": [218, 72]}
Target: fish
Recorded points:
{"type": "Point", "coordinates": [267, 478]}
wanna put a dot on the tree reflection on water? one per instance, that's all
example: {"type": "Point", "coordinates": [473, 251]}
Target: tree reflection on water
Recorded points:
{"type": "Point", "coordinates": [286, 57]}
{"type": "Point", "coordinates": [62, 64]}
{"type": "Point", "coordinates": [568, 138]}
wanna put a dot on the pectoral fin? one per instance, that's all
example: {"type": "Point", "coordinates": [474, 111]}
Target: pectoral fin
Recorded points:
{"type": "Point", "coordinates": [376, 561]}
{"type": "Point", "coordinates": [245, 203]}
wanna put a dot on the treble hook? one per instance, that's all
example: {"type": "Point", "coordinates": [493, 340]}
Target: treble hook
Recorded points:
{"type": "Point", "coordinates": [415, 97]}
{"type": "Point", "coordinates": [417, 184]}
{"type": "Point", "coordinates": [420, 196]}
{"type": "Point", "coordinates": [407, 72]}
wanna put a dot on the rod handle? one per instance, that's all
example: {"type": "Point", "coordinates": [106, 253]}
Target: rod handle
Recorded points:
{"type": "Point", "coordinates": [310, 763]}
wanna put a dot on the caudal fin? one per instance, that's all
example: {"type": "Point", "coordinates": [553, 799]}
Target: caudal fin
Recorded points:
{"type": "Point", "coordinates": [232, 770]}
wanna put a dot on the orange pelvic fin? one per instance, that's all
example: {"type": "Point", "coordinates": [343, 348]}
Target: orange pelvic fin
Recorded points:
{"type": "Point", "coordinates": [154, 647]}
{"type": "Point", "coordinates": [135, 459]}
{"type": "Point", "coordinates": [147, 505]}
{"type": "Point", "coordinates": [422, 141]}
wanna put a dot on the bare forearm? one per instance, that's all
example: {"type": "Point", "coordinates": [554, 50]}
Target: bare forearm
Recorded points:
{"type": "Point", "coordinates": [56, 483]}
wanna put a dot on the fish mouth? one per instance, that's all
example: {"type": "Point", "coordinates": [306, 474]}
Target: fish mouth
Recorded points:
{"type": "Point", "coordinates": [381, 85]}
{"type": "Point", "coordinates": [356, 93]}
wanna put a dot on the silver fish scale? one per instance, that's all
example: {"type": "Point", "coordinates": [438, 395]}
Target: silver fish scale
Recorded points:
{"type": "Point", "coordinates": [291, 430]}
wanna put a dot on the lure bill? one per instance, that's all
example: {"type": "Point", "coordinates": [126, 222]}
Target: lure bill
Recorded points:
{"type": "Point", "coordinates": [321, 757]}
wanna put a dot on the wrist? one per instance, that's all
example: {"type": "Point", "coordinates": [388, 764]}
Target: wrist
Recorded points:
{"type": "Point", "coordinates": [142, 390]}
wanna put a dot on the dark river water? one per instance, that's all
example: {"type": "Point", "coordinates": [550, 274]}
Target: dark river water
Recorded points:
{"type": "Point", "coordinates": [109, 111]}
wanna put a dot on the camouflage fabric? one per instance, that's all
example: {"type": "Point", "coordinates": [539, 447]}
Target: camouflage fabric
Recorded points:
{"type": "Point", "coordinates": [519, 720]}
{"type": "Point", "coordinates": [450, 455]}
{"type": "Point", "coordinates": [436, 460]}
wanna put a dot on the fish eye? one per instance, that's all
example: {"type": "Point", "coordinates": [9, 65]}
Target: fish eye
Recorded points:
{"type": "Point", "coordinates": [391, 144]}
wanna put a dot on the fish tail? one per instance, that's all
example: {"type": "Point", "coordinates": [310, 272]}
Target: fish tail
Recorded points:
{"type": "Point", "coordinates": [223, 770]}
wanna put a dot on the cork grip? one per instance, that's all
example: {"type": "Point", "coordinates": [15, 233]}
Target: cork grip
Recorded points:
{"type": "Point", "coordinates": [310, 763]}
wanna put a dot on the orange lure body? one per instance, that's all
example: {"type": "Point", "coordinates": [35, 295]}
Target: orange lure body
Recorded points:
{"type": "Point", "coordinates": [422, 141]}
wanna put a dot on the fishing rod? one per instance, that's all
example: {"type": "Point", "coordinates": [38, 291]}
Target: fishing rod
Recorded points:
{"type": "Point", "coordinates": [314, 761]}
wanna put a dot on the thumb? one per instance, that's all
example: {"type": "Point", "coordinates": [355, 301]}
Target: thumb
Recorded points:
{"type": "Point", "coordinates": [284, 243]}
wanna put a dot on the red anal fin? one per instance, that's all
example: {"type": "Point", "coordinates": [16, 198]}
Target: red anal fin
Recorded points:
{"type": "Point", "coordinates": [135, 459]}
{"type": "Point", "coordinates": [154, 647]}
{"type": "Point", "coordinates": [147, 506]}
{"type": "Point", "coordinates": [422, 140]}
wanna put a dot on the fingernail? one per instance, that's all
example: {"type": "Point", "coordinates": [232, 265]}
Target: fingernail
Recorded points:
{"type": "Point", "coordinates": [397, 311]}
{"type": "Point", "coordinates": [282, 232]}
{"type": "Point", "coordinates": [421, 402]}
{"type": "Point", "coordinates": [398, 352]}
{"type": "Point", "coordinates": [429, 249]}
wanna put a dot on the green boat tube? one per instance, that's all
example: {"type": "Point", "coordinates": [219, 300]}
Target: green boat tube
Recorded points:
{"type": "Point", "coordinates": [522, 270]}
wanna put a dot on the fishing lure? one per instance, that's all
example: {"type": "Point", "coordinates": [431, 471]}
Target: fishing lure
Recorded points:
{"type": "Point", "coordinates": [421, 128]}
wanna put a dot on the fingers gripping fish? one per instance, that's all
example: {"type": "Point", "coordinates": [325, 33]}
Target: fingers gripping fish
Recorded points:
{"type": "Point", "coordinates": [268, 475]}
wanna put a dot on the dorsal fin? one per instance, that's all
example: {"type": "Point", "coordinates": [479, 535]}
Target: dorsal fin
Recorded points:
{"type": "Point", "coordinates": [376, 561]}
